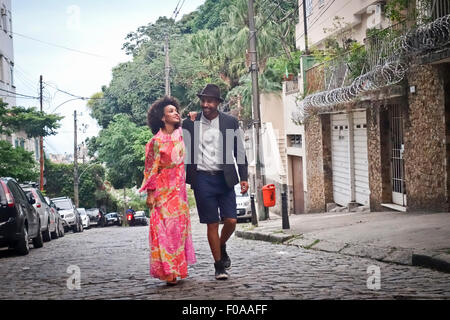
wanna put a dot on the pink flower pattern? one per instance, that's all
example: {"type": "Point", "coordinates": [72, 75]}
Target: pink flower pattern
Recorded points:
{"type": "Point", "coordinates": [170, 235]}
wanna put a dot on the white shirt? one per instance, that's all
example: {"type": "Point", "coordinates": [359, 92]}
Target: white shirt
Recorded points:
{"type": "Point", "coordinates": [210, 156]}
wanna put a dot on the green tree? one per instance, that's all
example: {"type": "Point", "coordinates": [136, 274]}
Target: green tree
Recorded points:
{"type": "Point", "coordinates": [34, 123]}
{"type": "Point", "coordinates": [92, 191]}
{"type": "Point", "coordinates": [120, 148]}
{"type": "Point", "coordinates": [17, 163]}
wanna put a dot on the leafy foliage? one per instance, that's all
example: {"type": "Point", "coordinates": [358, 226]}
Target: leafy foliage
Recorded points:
{"type": "Point", "coordinates": [34, 123]}
{"type": "Point", "coordinates": [121, 146]}
{"type": "Point", "coordinates": [17, 163]}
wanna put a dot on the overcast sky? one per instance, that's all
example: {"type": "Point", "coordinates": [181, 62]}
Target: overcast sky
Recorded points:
{"type": "Point", "coordinates": [97, 28]}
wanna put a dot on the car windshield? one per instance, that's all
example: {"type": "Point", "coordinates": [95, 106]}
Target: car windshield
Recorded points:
{"type": "Point", "coordinates": [63, 204]}
{"type": "Point", "coordinates": [92, 211]}
{"type": "Point", "coordinates": [139, 214]}
{"type": "Point", "coordinates": [81, 211]}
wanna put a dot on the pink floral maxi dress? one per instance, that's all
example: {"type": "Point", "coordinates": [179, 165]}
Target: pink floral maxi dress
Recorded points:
{"type": "Point", "coordinates": [170, 235]}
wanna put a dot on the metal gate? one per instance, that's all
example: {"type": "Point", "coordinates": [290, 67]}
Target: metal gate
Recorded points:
{"type": "Point", "coordinates": [361, 162]}
{"type": "Point", "coordinates": [349, 158]}
{"type": "Point", "coordinates": [397, 163]}
{"type": "Point", "coordinates": [340, 159]}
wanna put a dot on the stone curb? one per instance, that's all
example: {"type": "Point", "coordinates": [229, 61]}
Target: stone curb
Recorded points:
{"type": "Point", "coordinates": [427, 259]}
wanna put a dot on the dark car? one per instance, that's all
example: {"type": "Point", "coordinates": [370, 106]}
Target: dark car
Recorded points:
{"type": "Point", "coordinates": [97, 217]}
{"type": "Point", "coordinates": [113, 218]}
{"type": "Point", "coordinates": [135, 218]}
{"type": "Point", "coordinates": [19, 221]}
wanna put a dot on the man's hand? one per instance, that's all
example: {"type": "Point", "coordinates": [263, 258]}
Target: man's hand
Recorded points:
{"type": "Point", "coordinates": [150, 199]}
{"type": "Point", "coordinates": [244, 187]}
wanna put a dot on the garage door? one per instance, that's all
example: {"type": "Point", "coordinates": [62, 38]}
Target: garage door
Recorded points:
{"type": "Point", "coordinates": [362, 192]}
{"type": "Point", "coordinates": [340, 159]}
{"type": "Point", "coordinates": [348, 180]}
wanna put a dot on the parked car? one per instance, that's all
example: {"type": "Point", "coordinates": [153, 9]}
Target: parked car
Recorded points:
{"type": "Point", "coordinates": [113, 218]}
{"type": "Point", "coordinates": [137, 218]}
{"type": "Point", "coordinates": [84, 218]}
{"type": "Point", "coordinates": [96, 217]}
{"type": "Point", "coordinates": [59, 221]}
{"type": "Point", "coordinates": [19, 220]}
{"type": "Point", "coordinates": [243, 205]}
{"type": "Point", "coordinates": [48, 223]}
{"type": "Point", "coordinates": [69, 213]}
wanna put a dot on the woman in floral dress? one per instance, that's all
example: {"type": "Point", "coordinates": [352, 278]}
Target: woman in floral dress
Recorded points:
{"type": "Point", "coordinates": [170, 236]}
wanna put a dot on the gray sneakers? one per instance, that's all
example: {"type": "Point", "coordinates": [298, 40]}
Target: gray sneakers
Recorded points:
{"type": "Point", "coordinates": [224, 257]}
{"type": "Point", "coordinates": [221, 274]}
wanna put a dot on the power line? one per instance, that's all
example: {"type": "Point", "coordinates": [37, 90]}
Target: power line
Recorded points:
{"type": "Point", "coordinates": [62, 47]}
{"type": "Point", "coordinates": [19, 94]}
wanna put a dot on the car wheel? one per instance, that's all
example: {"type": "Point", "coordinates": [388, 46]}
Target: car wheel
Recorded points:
{"type": "Point", "coordinates": [22, 246]}
{"type": "Point", "coordinates": [61, 230]}
{"type": "Point", "coordinates": [38, 242]}
{"type": "Point", "coordinates": [46, 234]}
{"type": "Point", "coordinates": [55, 234]}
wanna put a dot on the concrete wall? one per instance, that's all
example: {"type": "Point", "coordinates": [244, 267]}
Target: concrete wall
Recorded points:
{"type": "Point", "coordinates": [272, 110]}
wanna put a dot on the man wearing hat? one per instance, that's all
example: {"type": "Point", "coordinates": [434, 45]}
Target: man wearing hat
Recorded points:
{"type": "Point", "coordinates": [213, 145]}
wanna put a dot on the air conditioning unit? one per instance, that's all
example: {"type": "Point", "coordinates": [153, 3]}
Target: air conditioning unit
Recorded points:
{"type": "Point", "coordinates": [3, 11]}
{"type": "Point", "coordinates": [375, 13]}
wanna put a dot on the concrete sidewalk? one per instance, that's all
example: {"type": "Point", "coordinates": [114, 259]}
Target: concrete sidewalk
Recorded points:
{"type": "Point", "coordinates": [418, 239]}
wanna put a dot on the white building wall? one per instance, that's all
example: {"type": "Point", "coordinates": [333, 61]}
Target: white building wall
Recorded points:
{"type": "Point", "coordinates": [7, 87]}
{"type": "Point", "coordinates": [6, 53]}
{"type": "Point", "coordinates": [357, 15]}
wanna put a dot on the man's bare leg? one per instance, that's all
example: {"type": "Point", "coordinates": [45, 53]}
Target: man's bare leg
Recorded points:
{"type": "Point", "coordinates": [229, 225]}
{"type": "Point", "coordinates": [214, 240]}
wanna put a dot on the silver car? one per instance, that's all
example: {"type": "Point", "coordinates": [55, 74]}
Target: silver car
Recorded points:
{"type": "Point", "coordinates": [84, 218]}
{"type": "Point", "coordinates": [59, 232]}
{"type": "Point", "coordinates": [48, 219]}
{"type": "Point", "coordinates": [69, 213]}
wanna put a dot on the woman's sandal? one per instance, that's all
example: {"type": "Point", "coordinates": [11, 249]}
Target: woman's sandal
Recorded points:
{"type": "Point", "coordinates": [173, 282]}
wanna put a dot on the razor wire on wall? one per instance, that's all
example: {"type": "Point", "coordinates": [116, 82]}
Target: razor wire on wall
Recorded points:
{"type": "Point", "coordinates": [389, 68]}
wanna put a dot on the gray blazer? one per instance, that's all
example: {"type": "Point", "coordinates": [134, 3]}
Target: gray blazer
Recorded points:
{"type": "Point", "coordinates": [231, 142]}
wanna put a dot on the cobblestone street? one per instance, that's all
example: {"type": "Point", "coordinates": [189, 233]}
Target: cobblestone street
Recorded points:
{"type": "Point", "coordinates": [113, 264]}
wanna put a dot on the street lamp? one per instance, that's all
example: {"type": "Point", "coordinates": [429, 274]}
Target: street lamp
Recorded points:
{"type": "Point", "coordinates": [79, 98]}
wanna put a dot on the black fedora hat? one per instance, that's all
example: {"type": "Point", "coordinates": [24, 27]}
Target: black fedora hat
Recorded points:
{"type": "Point", "coordinates": [212, 91]}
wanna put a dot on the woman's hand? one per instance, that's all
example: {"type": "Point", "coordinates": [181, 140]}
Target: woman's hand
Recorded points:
{"type": "Point", "coordinates": [150, 199]}
{"type": "Point", "coordinates": [192, 115]}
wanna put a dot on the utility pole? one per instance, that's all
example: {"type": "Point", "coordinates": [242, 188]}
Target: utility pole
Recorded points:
{"type": "Point", "coordinates": [305, 26]}
{"type": "Point", "coordinates": [75, 161]}
{"type": "Point", "coordinates": [41, 141]}
{"type": "Point", "coordinates": [167, 66]}
{"type": "Point", "coordinates": [262, 211]}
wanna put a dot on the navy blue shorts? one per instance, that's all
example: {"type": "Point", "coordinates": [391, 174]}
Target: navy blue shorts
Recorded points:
{"type": "Point", "coordinates": [211, 194]}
